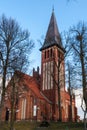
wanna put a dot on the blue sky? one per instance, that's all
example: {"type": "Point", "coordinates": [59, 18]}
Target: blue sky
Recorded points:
{"type": "Point", "coordinates": [34, 15]}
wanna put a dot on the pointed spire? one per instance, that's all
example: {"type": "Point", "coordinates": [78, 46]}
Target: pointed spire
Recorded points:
{"type": "Point", "coordinates": [52, 32]}
{"type": "Point", "coordinates": [52, 35]}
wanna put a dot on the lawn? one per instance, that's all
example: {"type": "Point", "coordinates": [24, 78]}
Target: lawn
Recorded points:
{"type": "Point", "coordinates": [26, 125]}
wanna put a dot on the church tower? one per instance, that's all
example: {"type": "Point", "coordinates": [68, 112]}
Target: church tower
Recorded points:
{"type": "Point", "coordinates": [52, 63]}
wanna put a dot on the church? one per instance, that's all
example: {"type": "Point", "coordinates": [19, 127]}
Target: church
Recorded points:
{"type": "Point", "coordinates": [43, 95]}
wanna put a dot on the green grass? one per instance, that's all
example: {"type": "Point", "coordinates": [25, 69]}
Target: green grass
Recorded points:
{"type": "Point", "coordinates": [26, 125]}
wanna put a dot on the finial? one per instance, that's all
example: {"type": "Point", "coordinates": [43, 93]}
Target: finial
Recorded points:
{"type": "Point", "coordinates": [53, 9]}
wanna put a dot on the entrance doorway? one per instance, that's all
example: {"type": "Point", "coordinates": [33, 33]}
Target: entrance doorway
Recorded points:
{"type": "Point", "coordinates": [7, 114]}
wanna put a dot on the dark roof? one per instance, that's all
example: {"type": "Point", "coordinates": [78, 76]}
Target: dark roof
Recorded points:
{"type": "Point", "coordinates": [52, 36]}
{"type": "Point", "coordinates": [31, 83]}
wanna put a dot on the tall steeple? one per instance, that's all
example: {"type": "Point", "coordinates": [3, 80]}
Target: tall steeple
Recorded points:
{"type": "Point", "coordinates": [52, 36]}
{"type": "Point", "coordinates": [52, 71]}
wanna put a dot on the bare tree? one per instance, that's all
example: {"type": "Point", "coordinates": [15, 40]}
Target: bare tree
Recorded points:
{"type": "Point", "coordinates": [78, 41]}
{"type": "Point", "coordinates": [70, 74]}
{"type": "Point", "coordinates": [60, 80]}
{"type": "Point", "coordinates": [15, 48]}
{"type": "Point", "coordinates": [12, 95]}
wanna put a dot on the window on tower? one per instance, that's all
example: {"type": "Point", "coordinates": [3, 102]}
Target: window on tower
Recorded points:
{"type": "Point", "coordinates": [48, 54]}
{"type": "Point", "coordinates": [51, 52]}
{"type": "Point", "coordinates": [45, 55]}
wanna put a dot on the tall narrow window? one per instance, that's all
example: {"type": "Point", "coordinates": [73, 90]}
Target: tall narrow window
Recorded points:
{"type": "Point", "coordinates": [72, 111]}
{"type": "Point", "coordinates": [44, 76]}
{"type": "Point", "coordinates": [35, 101]}
{"type": "Point", "coordinates": [51, 53]}
{"type": "Point", "coordinates": [48, 54]}
{"type": "Point", "coordinates": [45, 55]}
{"type": "Point", "coordinates": [23, 109]}
{"type": "Point", "coordinates": [51, 74]}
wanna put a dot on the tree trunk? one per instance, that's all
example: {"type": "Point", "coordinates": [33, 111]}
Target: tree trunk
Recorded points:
{"type": "Point", "coordinates": [59, 96]}
{"type": "Point", "coordinates": [3, 84]}
{"type": "Point", "coordinates": [83, 81]}
{"type": "Point", "coordinates": [69, 72]}
{"type": "Point", "coordinates": [12, 106]}
{"type": "Point", "coordinates": [12, 118]}
{"type": "Point", "coordinates": [1, 108]}
{"type": "Point", "coordinates": [70, 107]}
{"type": "Point", "coordinates": [3, 94]}
{"type": "Point", "coordinates": [85, 121]}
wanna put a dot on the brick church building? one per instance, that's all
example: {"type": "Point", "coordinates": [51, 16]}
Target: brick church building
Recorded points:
{"type": "Point", "coordinates": [43, 96]}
